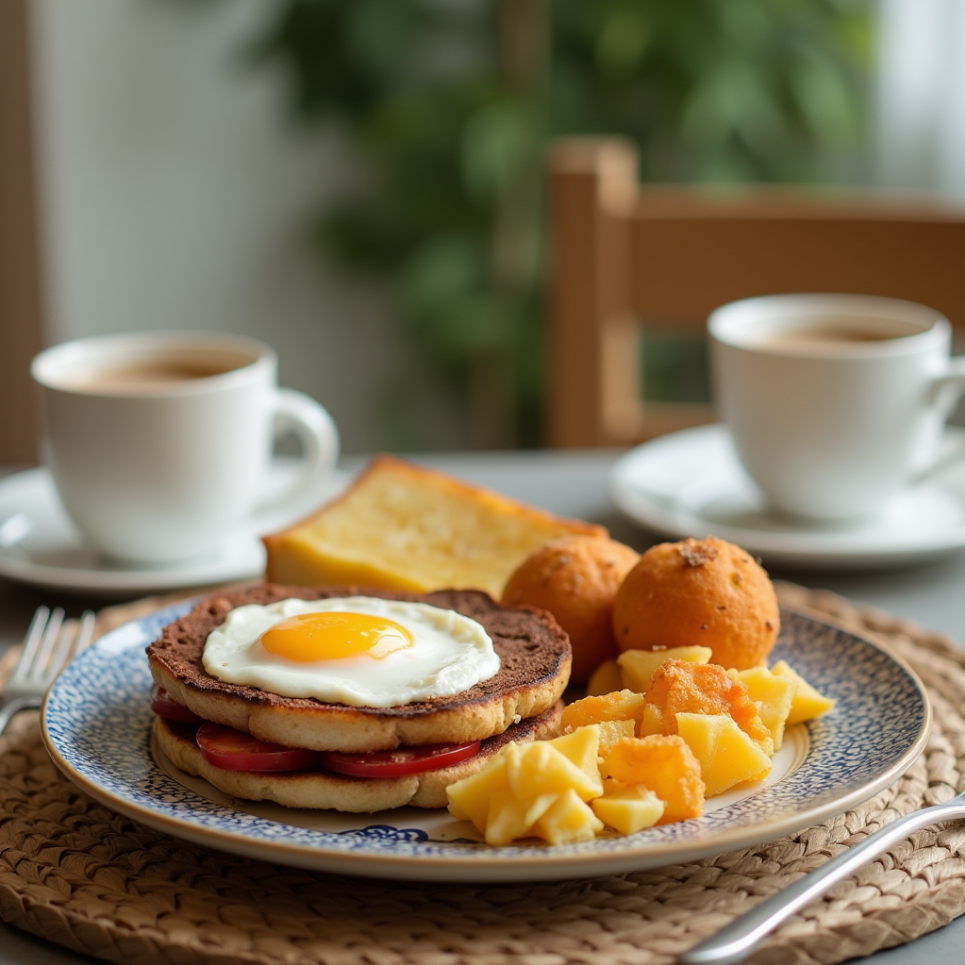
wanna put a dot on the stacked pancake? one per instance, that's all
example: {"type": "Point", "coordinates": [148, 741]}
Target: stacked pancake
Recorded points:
{"type": "Point", "coordinates": [512, 694]}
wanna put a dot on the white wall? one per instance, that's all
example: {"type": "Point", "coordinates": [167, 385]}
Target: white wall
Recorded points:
{"type": "Point", "coordinates": [173, 194]}
{"type": "Point", "coordinates": [921, 96]}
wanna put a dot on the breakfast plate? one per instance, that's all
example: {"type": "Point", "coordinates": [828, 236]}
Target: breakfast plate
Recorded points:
{"type": "Point", "coordinates": [39, 544]}
{"type": "Point", "coordinates": [690, 483]}
{"type": "Point", "coordinates": [97, 728]}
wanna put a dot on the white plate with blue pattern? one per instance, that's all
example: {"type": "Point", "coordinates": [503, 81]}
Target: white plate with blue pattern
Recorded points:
{"type": "Point", "coordinates": [97, 723]}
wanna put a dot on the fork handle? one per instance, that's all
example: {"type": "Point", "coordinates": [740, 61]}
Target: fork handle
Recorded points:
{"type": "Point", "coordinates": [737, 940]}
{"type": "Point", "coordinates": [14, 705]}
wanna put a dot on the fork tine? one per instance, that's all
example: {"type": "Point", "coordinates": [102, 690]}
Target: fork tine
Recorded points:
{"type": "Point", "coordinates": [85, 635]}
{"type": "Point", "coordinates": [66, 641]}
{"type": "Point", "coordinates": [31, 645]}
{"type": "Point", "coordinates": [38, 669]}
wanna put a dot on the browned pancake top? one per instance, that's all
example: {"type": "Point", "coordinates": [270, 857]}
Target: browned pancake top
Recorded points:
{"type": "Point", "coordinates": [532, 647]}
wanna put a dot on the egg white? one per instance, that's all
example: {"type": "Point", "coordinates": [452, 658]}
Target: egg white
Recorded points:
{"type": "Point", "coordinates": [451, 653]}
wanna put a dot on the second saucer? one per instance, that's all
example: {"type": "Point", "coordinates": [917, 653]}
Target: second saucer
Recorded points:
{"type": "Point", "coordinates": [690, 484]}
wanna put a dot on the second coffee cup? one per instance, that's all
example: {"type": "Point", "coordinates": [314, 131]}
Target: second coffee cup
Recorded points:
{"type": "Point", "coordinates": [835, 402]}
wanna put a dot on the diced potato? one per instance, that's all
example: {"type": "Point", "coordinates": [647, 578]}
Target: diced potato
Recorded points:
{"type": "Point", "coordinates": [807, 702]}
{"type": "Point", "coordinates": [652, 722]}
{"type": "Point", "coordinates": [511, 818]}
{"type": "Point", "coordinates": [469, 799]}
{"type": "Point", "coordinates": [726, 754]}
{"type": "Point", "coordinates": [605, 679]}
{"type": "Point", "coordinates": [612, 731]}
{"type": "Point", "coordinates": [539, 768]}
{"type": "Point", "coordinates": [679, 687]}
{"type": "Point", "coordinates": [773, 695]}
{"type": "Point", "coordinates": [637, 666]}
{"type": "Point", "coordinates": [619, 705]}
{"type": "Point", "coordinates": [666, 766]}
{"type": "Point", "coordinates": [568, 821]}
{"type": "Point", "coordinates": [582, 747]}
{"type": "Point", "coordinates": [627, 808]}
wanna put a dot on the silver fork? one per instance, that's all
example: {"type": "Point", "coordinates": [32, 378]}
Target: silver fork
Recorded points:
{"type": "Point", "coordinates": [48, 647]}
{"type": "Point", "coordinates": [737, 940]}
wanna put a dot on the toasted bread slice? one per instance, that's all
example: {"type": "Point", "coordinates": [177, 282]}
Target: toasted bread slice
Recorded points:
{"type": "Point", "coordinates": [404, 527]}
{"type": "Point", "coordinates": [535, 667]}
{"type": "Point", "coordinates": [321, 789]}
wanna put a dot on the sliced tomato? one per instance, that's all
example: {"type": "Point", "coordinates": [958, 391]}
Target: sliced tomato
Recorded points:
{"type": "Point", "coordinates": [164, 705]}
{"type": "Point", "coordinates": [234, 751]}
{"type": "Point", "coordinates": [403, 760]}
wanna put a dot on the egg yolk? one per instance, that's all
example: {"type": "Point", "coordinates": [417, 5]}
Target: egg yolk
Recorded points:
{"type": "Point", "coordinates": [310, 637]}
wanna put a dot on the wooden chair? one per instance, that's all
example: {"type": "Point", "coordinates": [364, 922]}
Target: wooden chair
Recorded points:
{"type": "Point", "coordinates": [625, 256]}
{"type": "Point", "coordinates": [21, 333]}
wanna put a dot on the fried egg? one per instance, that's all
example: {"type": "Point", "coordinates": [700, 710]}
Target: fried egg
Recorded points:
{"type": "Point", "coordinates": [361, 651]}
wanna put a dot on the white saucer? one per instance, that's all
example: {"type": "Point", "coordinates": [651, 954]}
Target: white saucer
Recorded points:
{"type": "Point", "coordinates": [39, 544]}
{"type": "Point", "coordinates": [691, 484]}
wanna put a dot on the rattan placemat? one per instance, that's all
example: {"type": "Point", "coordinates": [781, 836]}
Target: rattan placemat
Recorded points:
{"type": "Point", "coordinates": [77, 874]}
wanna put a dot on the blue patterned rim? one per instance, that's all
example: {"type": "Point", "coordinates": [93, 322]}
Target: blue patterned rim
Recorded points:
{"type": "Point", "coordinates": [97, 729]}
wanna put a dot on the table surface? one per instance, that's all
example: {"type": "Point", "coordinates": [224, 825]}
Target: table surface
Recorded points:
{"type": "Point", "coordinates": [574, 484]}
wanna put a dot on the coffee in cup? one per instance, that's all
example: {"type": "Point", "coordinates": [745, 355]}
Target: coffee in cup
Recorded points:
{"type": "Point", "coordinates": [835, 402]}
{"type": "Point", "coordinates": [161, 444]}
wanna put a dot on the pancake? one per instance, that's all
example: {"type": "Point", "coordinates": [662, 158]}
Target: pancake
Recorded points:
{"type": "Point", "coordinates": [535, 663]}
{"type": "Point", "coordinates": [325, 790]}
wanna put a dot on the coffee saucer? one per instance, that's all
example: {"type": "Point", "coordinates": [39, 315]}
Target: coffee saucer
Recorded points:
{"type": "Point", "coordinates": [690, 483]}
{"type": "Point", "coordinates": [40, 546]}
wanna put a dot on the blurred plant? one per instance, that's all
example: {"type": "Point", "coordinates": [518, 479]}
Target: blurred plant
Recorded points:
{"type": "Point", "coordinates": [448, 105]}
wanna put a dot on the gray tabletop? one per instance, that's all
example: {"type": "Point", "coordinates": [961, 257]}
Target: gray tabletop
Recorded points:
{"type": "Point", "coordinates": [574, 484]}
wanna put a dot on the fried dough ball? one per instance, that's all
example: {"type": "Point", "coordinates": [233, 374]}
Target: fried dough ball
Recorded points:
{"type": "Point", "coordinates": [575, 578]}
{"type": "Point", "coordinates": [705, 592]}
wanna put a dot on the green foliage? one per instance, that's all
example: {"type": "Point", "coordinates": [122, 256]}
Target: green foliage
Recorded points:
{"type": "Point", "coordinates": [449, 122]}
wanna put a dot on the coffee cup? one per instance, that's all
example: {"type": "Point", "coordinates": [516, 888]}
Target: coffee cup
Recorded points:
{"type": "Point", "coordinates": [835, 403]}
{"type": "Point", "coordinates": [161, 444]}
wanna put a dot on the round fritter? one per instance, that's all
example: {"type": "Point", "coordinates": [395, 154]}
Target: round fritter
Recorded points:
{"type": "Point", "coordinates": [706, 592]}
{"type": "Point", "coordinates": [535, 666]}
{"type": "Point", "coordinates": [576, 578]}
{"type": "Point", "coordinates": [325, 790]}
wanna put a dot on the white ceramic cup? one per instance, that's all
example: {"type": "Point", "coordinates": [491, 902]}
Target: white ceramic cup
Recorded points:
{"type": "Point", "coordinates": [160, 444]}
{"type": "Point", "coordinates": [835, 402]}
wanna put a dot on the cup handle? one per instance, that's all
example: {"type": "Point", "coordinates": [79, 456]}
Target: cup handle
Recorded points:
{"type": "Point", "coordinates": [947, 387]}
{"type": "Point", "coordinates": [302, 416]}
{"type": "Point", "coordinates": [943, 393]}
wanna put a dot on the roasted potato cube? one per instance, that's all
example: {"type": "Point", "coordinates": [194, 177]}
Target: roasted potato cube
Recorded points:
{"type": "Point", "coordinates": [679, 687]}
{"type": "Point", "coordinates": [726, 754]}
{"type": "Point", "coordinates": [665, 765]}
{"type": "Point", "coordinates": [612, 731]}
{"type": "Point", "coordinates": [773, 696]}
{"type": "Point", "coordinates": [540, 768]}
{"type": "Point", "coordinates": [469, 799]}
{"type": "Point", "coordinates": [637, 666]}
{"type": "Point", "coordinates": [627, 808]}
{"type": "Point", "coordinates": [807, 702]}
{"type": "Point", "coordinates": [619, 705]}
{"type": "Point", "coordinates": [605, 679]}
{"type": "Point", "coordinates": [511, 818]}
{"type": "Point", "coordinates": [568, 820]}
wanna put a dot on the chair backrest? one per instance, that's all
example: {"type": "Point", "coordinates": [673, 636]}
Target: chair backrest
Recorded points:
{"type": "Point", "coordinates": [624, 255]}
{"type": "Point", "coordinates": [21, 334]}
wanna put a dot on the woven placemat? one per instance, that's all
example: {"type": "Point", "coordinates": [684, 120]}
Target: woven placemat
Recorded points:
{"type": "Point", "coordinates": [77, 874]}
